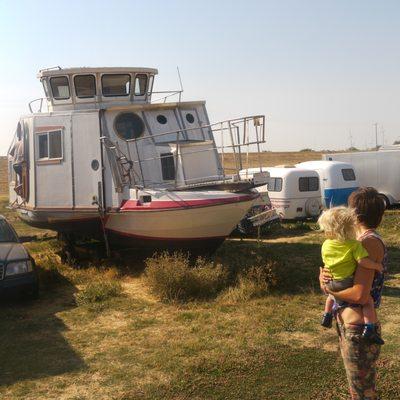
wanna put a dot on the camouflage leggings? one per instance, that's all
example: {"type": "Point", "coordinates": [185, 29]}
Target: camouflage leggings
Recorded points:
{"type": "Point", "coordinates": [359, 358]}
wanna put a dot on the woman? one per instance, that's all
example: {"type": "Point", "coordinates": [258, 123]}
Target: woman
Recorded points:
{"type": "Point", "coordinates": [360, 356]}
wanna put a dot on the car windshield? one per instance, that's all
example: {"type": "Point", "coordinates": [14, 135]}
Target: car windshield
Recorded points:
{"type": "Point", "coordinates": [6, 233]}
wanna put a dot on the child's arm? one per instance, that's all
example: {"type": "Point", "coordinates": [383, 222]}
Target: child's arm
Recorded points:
{"type": "Point", "coordinates": [369, 264]}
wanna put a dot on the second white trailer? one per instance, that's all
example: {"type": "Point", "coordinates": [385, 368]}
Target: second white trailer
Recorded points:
{"type": "Point", "coordinates": [379, 169]}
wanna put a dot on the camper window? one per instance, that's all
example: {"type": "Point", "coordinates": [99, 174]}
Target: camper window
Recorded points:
{"type": "Point", "coordinates": [50, 145]}
{"type": "Point", "coordinates": [60, 87]}
{"type": "Point", "coordinates": [114, 85]}
{"type": "Point", "coordinates": [167, 166]}
{"type": "Point", "coordinates": [140, 85]}
{"type": "Point", "coordinates": [308, 184]}
{"type": "Point", "coordinates": [85, 86]}
{"type": "Point", "coordinates": [348, 174]}
{"type": "Point", "coordinates": [275, 185]}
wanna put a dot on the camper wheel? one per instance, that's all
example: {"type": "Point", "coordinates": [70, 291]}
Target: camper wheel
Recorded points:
{"type": "Point", "coordinates": [385, 200]}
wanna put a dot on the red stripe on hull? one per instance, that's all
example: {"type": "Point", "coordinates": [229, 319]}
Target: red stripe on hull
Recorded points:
{"type": "Point", "coordinates": [135, 205]}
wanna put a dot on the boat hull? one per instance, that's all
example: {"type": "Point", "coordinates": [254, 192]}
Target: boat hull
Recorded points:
{"type": "Point", "coordinates": [190, 222]}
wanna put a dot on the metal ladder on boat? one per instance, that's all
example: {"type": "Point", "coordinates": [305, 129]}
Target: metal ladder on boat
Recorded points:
{"type": "Point", "coordinates": [121, 166]}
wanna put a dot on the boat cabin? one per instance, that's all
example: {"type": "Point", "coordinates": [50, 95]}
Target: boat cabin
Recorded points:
{"type": "Point", "coordinates": [103, 142]}
{"type": "Point", "coordinates": [88, 88]}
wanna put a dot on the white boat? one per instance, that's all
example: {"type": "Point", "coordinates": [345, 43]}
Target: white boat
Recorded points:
{"type": "Point", "coordinates": [106, 161]}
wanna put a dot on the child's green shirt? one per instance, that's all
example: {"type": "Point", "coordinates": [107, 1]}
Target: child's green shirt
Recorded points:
{"type": "Point", "coordinates": [341, 257]}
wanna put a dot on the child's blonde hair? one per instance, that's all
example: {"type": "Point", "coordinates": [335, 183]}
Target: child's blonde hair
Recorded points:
{"type": "Point", "coordinates": [339, 223]}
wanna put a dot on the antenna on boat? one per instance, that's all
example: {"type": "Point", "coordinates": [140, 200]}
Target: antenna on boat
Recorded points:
{"type": "Point", "coordinates": [180, 82]}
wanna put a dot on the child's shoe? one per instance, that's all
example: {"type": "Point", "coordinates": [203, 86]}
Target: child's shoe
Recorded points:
{"type": "Point", "coordinates": [327, 320]}
{"type": "Point", "coordinates": [370, 334]}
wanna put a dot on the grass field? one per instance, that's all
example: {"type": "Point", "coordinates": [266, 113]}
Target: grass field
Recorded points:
{"type": "Point", "coordinates": [134, 346]}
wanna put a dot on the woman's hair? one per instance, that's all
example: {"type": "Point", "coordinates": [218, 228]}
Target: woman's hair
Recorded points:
{"type": "Point", "coordinates": [368, 205]}
{"type": "Point", "coordinates": [339, 223]}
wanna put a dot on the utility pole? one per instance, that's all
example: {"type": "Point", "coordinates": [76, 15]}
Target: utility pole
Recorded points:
{"type": "Point", "coordinates": [376, 135]}
{"type": "Point", "coordinates": [350, 139]}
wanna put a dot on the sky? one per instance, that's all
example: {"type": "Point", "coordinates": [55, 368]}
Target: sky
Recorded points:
{"type": "Point", "coordinates": [323, 72]}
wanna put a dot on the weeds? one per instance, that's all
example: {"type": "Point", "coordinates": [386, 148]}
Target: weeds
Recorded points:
{"type": "Point", "coordinates": [172, 278]}
{"type": "Point", "coordinates": [98, 292]}
{"type": "Point", "coordinates": [252, 283]}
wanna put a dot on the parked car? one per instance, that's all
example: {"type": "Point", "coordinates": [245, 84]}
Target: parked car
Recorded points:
{"type": "Point", "coordinates": [18, 274]}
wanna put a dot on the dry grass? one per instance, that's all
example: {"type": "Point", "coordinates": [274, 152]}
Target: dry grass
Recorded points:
{"type": "Point", "coordinates": [271, 159]}
{"type": "Point", "coordinates": [3, 176]}
{"type": "Point", "coordinates": [264, 343]}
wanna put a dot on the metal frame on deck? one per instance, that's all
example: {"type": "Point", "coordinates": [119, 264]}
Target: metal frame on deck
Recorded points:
{"type": "Point", "coordinates": [236, 137]}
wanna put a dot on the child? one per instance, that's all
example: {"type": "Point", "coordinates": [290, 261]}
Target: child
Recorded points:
{"type": "Point", "coordinates": [341, 253]}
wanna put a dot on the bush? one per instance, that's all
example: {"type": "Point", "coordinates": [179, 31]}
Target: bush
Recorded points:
{"type": "Point", "coordinates": [98, 291]}
{"type": "Point", "coordinates": [254, 282]}
{"type": "Point", "coordinates": [307, 150]}
{"type": "Point", "coordinates": [172, 278]}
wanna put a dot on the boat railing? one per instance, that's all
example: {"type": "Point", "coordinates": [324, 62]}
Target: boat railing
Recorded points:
{"type": "Point", "coordinates": [228, 145]}
{"type": "Point", "coordinates": [39, 100]}
{"type": "Point", "coordinates": [168, 94]}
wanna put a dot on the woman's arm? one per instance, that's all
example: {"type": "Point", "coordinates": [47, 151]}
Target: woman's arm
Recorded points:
{"type": "Point", "coordinates": [360, 291]}
{"type": "Point", "coordinates": [369, 264]}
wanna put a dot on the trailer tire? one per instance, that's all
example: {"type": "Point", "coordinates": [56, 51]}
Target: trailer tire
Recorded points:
{"type": "Point", "coordinates": [313, 208]}
{"type": "Point", "coordinates": [385, 200]}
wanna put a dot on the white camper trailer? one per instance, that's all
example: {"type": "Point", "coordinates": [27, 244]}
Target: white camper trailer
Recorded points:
{"type": "Point", "coordinates": [378, 169]}
{"type": "Point", "coordinates": [337, 180]}
{"type": "Point", "coordinates": [294, 192]}
{"type": "Point", "coordinates": [106, 161]}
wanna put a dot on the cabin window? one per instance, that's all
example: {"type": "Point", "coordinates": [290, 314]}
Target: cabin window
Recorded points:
{"type": "Point", "coordinates": [190, 118]}
{"type": "Point", "coordinates": [168, 166]}
{"type": "Point", "coordinates": [60, 87]}
{"type": "Point", "coordinates": [275, 184]}
{"type": "Point", "coordinates": [114, 85]}
{"type": "Point", "coordinates": [129, 125]}
{"type": "Point", "coordinates": [348, 174]}
{"type": "Point", "coordinates": [85, 86]}
{"type": "Point", "coordinates": [140, 84]}
{"type": "Point", "coordinates": [50, 145]}
{"type": "Point", "coordinates": [308, 184]}
{"type": "Point", "coordinates": [150, 86]}
{"type": "Point", "coordinates": [161, 119]}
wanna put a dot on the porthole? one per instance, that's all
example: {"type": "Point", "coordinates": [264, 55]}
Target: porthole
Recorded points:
{"type": "Point", "coordinates": [189, 118]}
{"type": "Point", "coordinates": [161, 119]}
{"type": "Point", "coordinates": [95, 165]}
{"type": "Point", "coordinates": [128, 125]}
